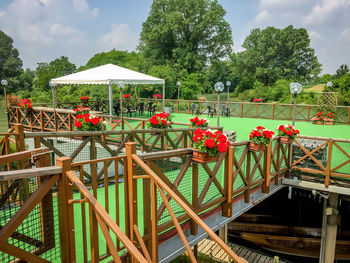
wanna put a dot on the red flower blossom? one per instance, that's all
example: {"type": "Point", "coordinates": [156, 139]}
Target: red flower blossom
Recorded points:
{"type": "Point", "coordinates": [78, 124]}
{"type": "Point", "coordinates": [125, 96]}
{"type": "Point", "coordinates": [222, 138]}
{"type": "Point", "coordinates": [222, 147]}
{"type": "Point", "coordinates": [95, 121]}
{"type": "Point", "coordinates": [210, 143]}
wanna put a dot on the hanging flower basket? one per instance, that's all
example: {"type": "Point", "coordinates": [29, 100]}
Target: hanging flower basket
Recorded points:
{"type": "Point", "coordinates": [285, 140]}
{"type": "Point", "coordinates": [208, 144]}
{"type": "Point", "coordinates": [256, 147]}
{"type": "Point", "coordinates": [259, 139]}
{"type": "Point", "coordinates": [202, 157]}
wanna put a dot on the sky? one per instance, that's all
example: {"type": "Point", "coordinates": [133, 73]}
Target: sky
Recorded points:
{"type": "Point", "coordinates": [43, 30]}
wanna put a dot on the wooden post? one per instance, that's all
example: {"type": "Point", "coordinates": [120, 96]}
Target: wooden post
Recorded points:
{"type": "Point", "coordinates": [228, 182]}
{"type": "Point", "coordinates": [241, 113]}
{"type": "Point", "coordinates": [46, 207]}
{"type": "Point", "coordinates": [189, 107]}
{"type": "Point", "coordinates": [70, 122]}
{"type": "Point", "coordinates": [308, 113]}
{"type": "Point", "coordinates": [130, 149]}
{"type": "Point", "coordinates": [329, 163]}
{"type": "Point", "coordinates": [147, 215]}
{"type": "Point", "coordinates": [273, 111]}
{"type": "Point", "coordinates": [331, 229]}
{"type": "Point", "coordinates": [42, 120]}
{"type": "Point", "coordinates": [194, 226]}
{"type": "Point", "coordinates": [178, 106]}
{"type": "Point", "coordinates": [20, 143]}
{"type": "Point", "coordinates": [267, 166]}
{"type": "Point", "coordinates": [246, 192]}
{"type": "Point", "coordinates": [142, 135]}
{"type": "Point", "coordinates": [65, 213]}
{"type": "Point", "coordinates": [154, 235]}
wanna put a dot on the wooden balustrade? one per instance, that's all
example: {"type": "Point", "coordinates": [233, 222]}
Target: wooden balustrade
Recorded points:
{"type": "Point", "coordinates": [237, 109]}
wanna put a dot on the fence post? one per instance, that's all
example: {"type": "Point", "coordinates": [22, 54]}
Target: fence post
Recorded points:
{"type": "Point", "coordinates": [19, 131]}
{"type": "Point", "coordinates": [65, 212]}
{"type": "Point", "coordinates": [130, 190]}
{"type": "Point", "coordinates": [42, 120]}
{"type": "Point", "coordinates": [329, 160]}
{"type": "Point", "coordinates": [228, 183]}
{"type": "Point", "coordinates": [247, 192]}
{"type": "Point", "coordinates": [273, 111]}
{"type": "Point", "coordinates": [46, 206]}
{"type": "Point", "coordinates": [194, 226]}
{"type": "Point", "coordinates": [266, 169]}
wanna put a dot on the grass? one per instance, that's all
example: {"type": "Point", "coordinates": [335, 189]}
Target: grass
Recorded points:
{"type": "Point", "coordinates": [316, 88]}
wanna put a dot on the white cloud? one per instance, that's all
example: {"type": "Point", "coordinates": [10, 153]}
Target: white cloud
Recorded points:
{"type": "Point", "coordinates": [83, 6]}
{"type": "Point", "coordinates": [46, 28]}
{"type": "Point", "coordinates": [120, 37]}
{"type": "Point", "coordinates": [327, 10]}
{"type": "Point", "coordinates": [315, 35]}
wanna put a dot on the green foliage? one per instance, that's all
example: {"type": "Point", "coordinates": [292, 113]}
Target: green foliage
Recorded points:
{"type": "Point", "coordinates": [273, 53]}
{"type": "Point", "coordinates": [131, 60]}
{"type": "Point", "coordinates": [191, 87]}
{"type": "Point", "coordinates": [342, 70]}
{"type": "Point", "coordinates": [187, 34]}
{"type": "Point", "coordinates": [46, 71]}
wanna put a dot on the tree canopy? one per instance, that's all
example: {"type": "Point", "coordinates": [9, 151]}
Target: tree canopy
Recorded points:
{"type": "Point", "coordinates": [188, 34]}
{"type": "Point", "coordinates": [273, 53]}
{"type": "Point", "coordinates": [10, 63]}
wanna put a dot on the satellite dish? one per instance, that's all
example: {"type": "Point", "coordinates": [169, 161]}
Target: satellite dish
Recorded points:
{"type": "Point", "coordinates": [219, 87]}
{"type": "Point", "coordinates": [4, 82]}
{"type": "Point", "coordinates": [295, 88]}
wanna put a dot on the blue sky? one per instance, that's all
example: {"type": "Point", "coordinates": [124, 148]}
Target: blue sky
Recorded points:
{"type": "Point", "coordinates": [43, 30]}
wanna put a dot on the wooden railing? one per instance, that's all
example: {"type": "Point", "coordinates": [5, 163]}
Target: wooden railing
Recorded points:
{"type": "Point", "coordinates": [14, 137]}
{"type": "Point", "coordinates": [237, 109]}
{"type": "Point", "coordinates": [324, 160]}
{"type": "Point", "coordinates": [153, 196]}
{"type": "Point", "coordinates": [46, 119]}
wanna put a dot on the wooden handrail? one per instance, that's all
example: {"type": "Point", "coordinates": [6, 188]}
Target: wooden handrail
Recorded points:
{"type": "Point", "coordinates": [29, 173]}
{"type": "Point", "coordinates": [105, 217]}
{"type": "Point", "coordinates": [186, 208]}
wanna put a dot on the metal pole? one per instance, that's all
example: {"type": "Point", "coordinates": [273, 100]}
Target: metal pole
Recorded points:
{"type": "Point", "coordinates": [121, 102]}
{"type": "Point", "coordinates": [110, 97]}
{"type": "Point", "coordinates": [324, 231]}
{"type": "Point", "coordinates": [295, 102]}
{"type": "Point", "coordinates": [228, 93]}
{"type": "Point", "coordinates": [163, 101]}
{"type": "Point", "coordinates": [5, 96]}
{"type": "Point", "coordinates": [218, 110]}
{"type": "Point", "coordinates": [178, 92]}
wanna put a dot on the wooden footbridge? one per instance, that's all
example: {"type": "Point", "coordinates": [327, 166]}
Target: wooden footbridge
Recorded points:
{"type": "Point", "coordinates": [136, 194]}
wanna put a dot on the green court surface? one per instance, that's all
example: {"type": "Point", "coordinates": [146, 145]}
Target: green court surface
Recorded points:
{"type": "Point", "coordinates": [244, 125]}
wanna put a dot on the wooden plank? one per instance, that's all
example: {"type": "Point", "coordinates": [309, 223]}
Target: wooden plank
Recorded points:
{"type": "Point", "coordinates": [109, 240]}
{"type": "Point", "coordinates": [21, 254]}
{"type": "Point", "coordinates": [29, 173]}
{"type": "Point", "coordinates": [187, 209]}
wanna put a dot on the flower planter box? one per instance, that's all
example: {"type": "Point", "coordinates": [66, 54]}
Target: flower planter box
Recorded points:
{"type": "Point", "coordinates": [318, 122]}
{"type": "Point", "coordinates": [329, 122]}
{"type": "Point", "coordinates": [202, 157]}
{"type": "Point", "coordinates": [256, 147]}
{"type": "Point", "coordinates": [285, 140]}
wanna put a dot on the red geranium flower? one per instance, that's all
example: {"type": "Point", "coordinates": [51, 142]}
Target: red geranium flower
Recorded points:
{"type": "Point", "coordinates": [78, 124]}
{"type": "Point", "coordinates": [210, 143]}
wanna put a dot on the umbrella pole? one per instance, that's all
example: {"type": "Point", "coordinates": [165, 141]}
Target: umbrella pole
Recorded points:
{"type": "Point", "coordinates": [163, 96]}
{"type": "Point", "coordinates": [110, 95]}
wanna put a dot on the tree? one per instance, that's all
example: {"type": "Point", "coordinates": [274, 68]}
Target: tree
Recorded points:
{"type": "Point", "coordinates": [187, 34]}
{"type": "Point", "coordinates": [273, 53]}
{"type": "Point", "coordinates": [46, 71]}
{"type": "Point", "coordinates": [130, 60]}
{"type": "Point", "coordinates": [10, 63]}
{"type": "Point", "coordinates": [342, 70]}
